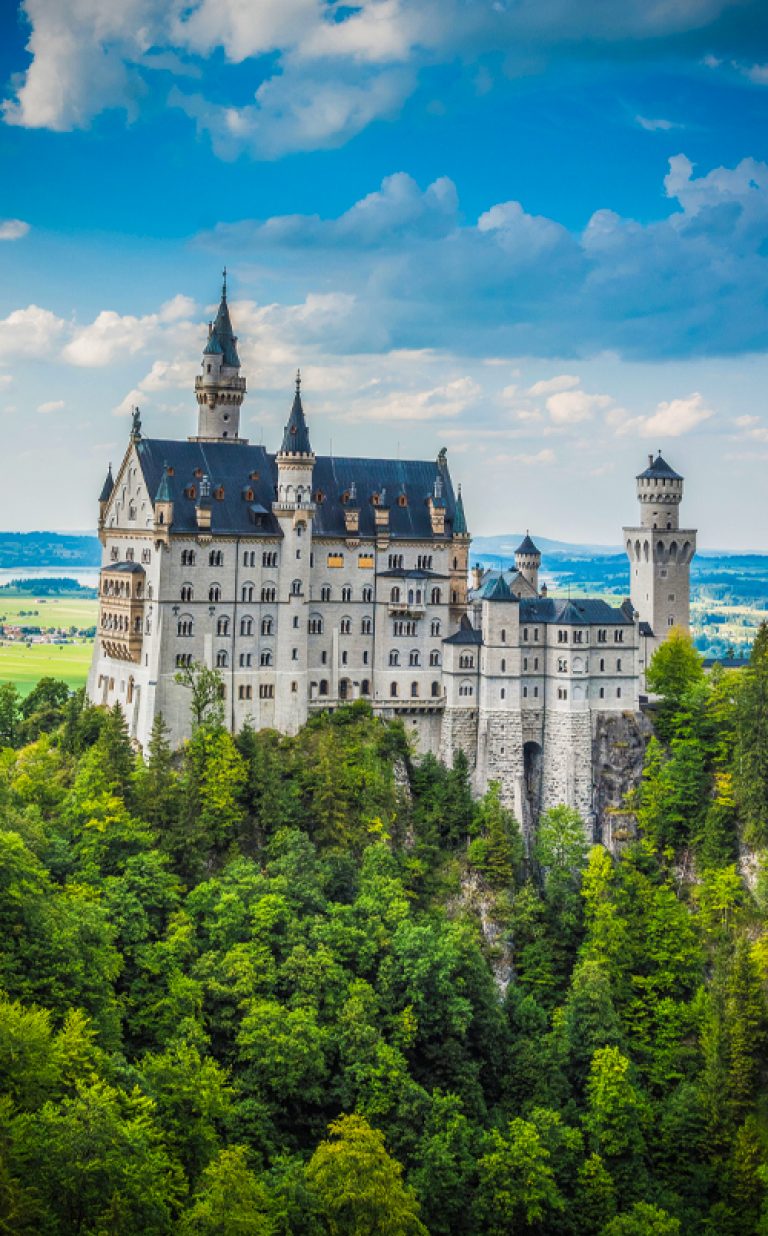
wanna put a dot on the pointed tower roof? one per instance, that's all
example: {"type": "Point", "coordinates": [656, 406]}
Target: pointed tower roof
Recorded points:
{"type": "Point", "coordinates": [222, 339]}
{"type": "Point", "coordinates": [459, 518]}
{"type": "Point", "coordinates": [296, 435]}
{"type": "Point", "coordinates": [527, 546]}
{"type": "Point", "coordinates": [659, 467]}
{"type": "Point", "coordinates": [497, 589]}
{"type": "Point", "coordinates": [164, 488]}
{"type": "Point", "coordinates": [108, 486]}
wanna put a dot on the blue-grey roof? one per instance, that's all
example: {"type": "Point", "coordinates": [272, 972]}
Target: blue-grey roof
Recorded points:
{"type": "Point", "coordinates": [296, 436]}
{"type": "Point", "coordinates": [126, 568]}
{"type": "Point", "coordinates": [527, 546]}
{"type": "Point", "coordinates": [222, 338]}
{"type": "Point", "coordinates": [496, 589]}
{"type": "Point", "coordinates": [240, 469]}
{"type": "Point", "coordinates": [107, 487]}
{"type": "Point", "coordinates": [659, 468]}
{"type": "Point", "coordinates": [460, 519]}
{"type": "Point", "coordinates": [164, 489]}
{"type": "Point", "coordinates": [466, 634]}
{"type": "Point", "coordinates": [582, 611]}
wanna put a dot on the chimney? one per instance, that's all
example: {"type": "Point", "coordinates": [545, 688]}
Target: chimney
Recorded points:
{"type": "Point", "coordinates": [650, 461]}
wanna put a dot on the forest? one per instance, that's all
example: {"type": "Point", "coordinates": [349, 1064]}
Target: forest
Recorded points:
{"type": "Point", "coordinates": [310, 987]}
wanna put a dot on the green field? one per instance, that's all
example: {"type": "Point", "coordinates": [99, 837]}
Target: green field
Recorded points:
{"type": "Point", "coordinates": [52, 612]}
{"type": "Point", "coordinates": [24, 665]}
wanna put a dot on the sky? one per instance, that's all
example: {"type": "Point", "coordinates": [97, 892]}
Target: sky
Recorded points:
{"type": "Point", "coordinates": [532, 231]}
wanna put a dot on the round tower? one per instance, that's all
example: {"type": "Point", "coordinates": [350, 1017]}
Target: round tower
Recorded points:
{"type": "Point", "coordinates": [528, 561]}
{"type": "Point", "coordinates": [219, 388]}
{"type": "Point", "coordinates": [659, 492]}
{"type": "Point", "coordinates": [660, 554]}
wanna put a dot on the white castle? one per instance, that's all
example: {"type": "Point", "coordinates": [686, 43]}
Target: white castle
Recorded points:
{"type": "Point", "coordinates": [310, 581]}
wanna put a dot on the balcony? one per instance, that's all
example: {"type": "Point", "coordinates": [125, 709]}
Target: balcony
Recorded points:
{"type": "Point", "coordinates": [407, 609]}
{"type": "Point", "coordinates": [121, 610]}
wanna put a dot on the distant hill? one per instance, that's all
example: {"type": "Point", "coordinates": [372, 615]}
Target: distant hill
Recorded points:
{"type": "Point", "coordinates": [48, 549]}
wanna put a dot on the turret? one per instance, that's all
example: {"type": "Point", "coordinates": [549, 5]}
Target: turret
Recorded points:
{"type": "Point", "coordinates": [528, 561]}
{"type": "Point", "coordinates": [460, 542]}
{"type": "Point", "coordinates": [164, 505]}
{"type": "Point", "coordinates": [219, 388]}
{"type": "Point", "coordinates": [105, 495]}
{"type": "Point", "coordinates": [659, 492]}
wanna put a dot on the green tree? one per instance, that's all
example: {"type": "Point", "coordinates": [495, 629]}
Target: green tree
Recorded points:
{"type": "Point", "coordinates": [643, 1220]}
{"type": "Point", "coordinates": [751, 756]}
{"type": "Point", "coordinates": [498, 849]}
{"type": "Point", "coordinates": [43, 709]}
{"type": "Point", "coordinates": [614, 1119]}
{"type": "Point", "coordinates": [561, 842]}
{"type": "Point", "coordinates": [157, 788]}
{"type": "Point", "coordinates": [675, 669]}
{"type": "Point", "coordinates": [517, 1189]}
{"type": "Point", "coordinates": [229, 1200]}
{"type": "Point", "coordinates": [206, 690]}
{"type": "Point", "coordinates": [10, 714]}
{"type": "Point", "coordinates": [358, 1186]}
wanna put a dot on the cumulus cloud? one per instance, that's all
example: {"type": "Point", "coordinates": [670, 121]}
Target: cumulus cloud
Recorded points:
{"type": "Point", "coordinates": [13, 229]}
{"type": "Point", "coordinates": [440, 403]}
{"type": "Point", "coordinates": [331, 70]}
{"type": "Point", "coordinates": [550, 386]}
{"type": "Point", "coordinates": [30, 332]}
{"type": "Point", "coordinates": [112, 335]}
{"type": "Point", "coordinates": [545, 456]}
{"type": "Point", "coordinates": [571, 407]}
{"type": "Point", "coordinates": [673, 418]}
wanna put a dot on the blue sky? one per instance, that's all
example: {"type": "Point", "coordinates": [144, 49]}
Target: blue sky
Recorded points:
{"type": "Point", "coordinates": [535, 231]}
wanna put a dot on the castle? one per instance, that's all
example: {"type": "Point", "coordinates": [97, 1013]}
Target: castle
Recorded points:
{"type": "Point", "coordinates": [308, 581]}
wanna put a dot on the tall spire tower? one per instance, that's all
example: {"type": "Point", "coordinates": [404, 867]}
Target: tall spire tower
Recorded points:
{"type": "Point", "coordinates": [660, 554]}
{"type": "Point", "coordinates": [219, 388]}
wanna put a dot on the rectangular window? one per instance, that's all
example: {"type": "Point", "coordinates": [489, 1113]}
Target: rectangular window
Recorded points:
{"type": "Point", "coordinates": [294, 654]}
{"type": "Point", "coordinates": [525, 693]}
{"type": "Point", "coordinates": [365, 562]}
{"type": "Point", "coordinates": [525, 663]}
{"type": "Point", "coordinates": [335, 560]}
{"type": "Point", "coordinates": [535, 693]}
{"type": "Point", "coordinates": [323, 658]}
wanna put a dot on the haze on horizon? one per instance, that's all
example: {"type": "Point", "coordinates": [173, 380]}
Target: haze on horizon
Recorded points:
{"type": "Point", "coordinates": [535, 234]}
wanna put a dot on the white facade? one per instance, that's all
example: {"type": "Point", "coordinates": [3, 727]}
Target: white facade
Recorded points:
{"type": "Point", "coordinates": [310, 581]}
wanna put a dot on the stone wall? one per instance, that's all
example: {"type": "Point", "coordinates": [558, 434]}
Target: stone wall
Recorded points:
{"type": "Point", "coordinates": [459, 733]}
{"type": "Point", "coordinates": [567, 762]}
{"type": "Point", "coordinates": [618, 751]}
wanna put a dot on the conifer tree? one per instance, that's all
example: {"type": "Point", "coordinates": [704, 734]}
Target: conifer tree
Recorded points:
{"type": "Point", "coordinates": [751, 763]}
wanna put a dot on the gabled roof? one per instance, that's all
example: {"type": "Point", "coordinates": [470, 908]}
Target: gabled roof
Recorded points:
{"type": "Point", "coordinates": [659, 467]}
{"type": "Point", "coordinates": [244, 468]}
{"type": "Point", "coordinates": [527, 546]}
{"type": "Point", "coordinates": [466, 634]}
{"type": "Point", "coordinates": [582, 611]}
{"type": "Point", "coordinates": [296, 436]}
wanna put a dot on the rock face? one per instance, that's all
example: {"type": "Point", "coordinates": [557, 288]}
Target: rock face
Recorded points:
{"type": "Point", "coordinates": [476, 899]}
{"type": "Point", "coordinates": [618, 750]}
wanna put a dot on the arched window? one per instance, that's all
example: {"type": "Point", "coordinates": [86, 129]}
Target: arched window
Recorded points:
{"type": "Point", "coordinates": [185, 626]}
{"type": "Point", "coordinates": [394, 596]}
{"type": "Point", "coordinates": [414, 657]}
{"type": "Point", "coordinates": [367, 595]}
{"type": "Point", "coordinates": [435, 688]}
{"type": "Point", "coordinates": [246, 593]}
{"type": "Point", "coordinates": [434, 658]}
{"type": "Point", "coordinates": [222, 659]}
{"type": "Point", "coordinates": [325, 592]}
{"type": "Point", "coordinates": [187, 592]}
{"type": "Point", "coordinates": [365, 687]}
{"type": "Point", "coordinates": [214, 593]}
{"type": "Point", "coordinates": [269, 594]}
{"type": "Point", "coordinates": [246, 626]}
{"type": "Point", "coordinates": [267, 625]}
{"type": "Point", "coordinates": [296, 588]}
{"type": "Point", "coordinates": [393, 690]}
{"type": "Point", "coordinates": [187, 557]}
{"type": "Point", "coordinates": [345, 626]}
{"type": "Point", "coordinates": [434, 628]}
{"type": "Point", "coordinates": [414, 690]}
{"type": "Point", "coordinates": [436, 596]}
{"type": "Point", "coordinates": [394, 657]}
{"type": "Point", "coordinates": [343, 688]}
{"type": "Point", "coordinates": [216, 558]}
{"type": "Point", "coordinates": [346, 594]}
{"type": "Point", "coordinates": [323, 690]}
{"type": "Point", "coordinates": [315, 625]}
{"type": "Point", "coordinates": [366, 626]}
{"type": "Point", "coordinates": [266, 657]}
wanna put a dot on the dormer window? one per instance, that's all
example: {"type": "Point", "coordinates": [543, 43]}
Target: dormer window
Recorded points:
{"type": "Point", "coordinates": [218, 493]}
{"type": "Point", "coordinates": [402, 500]}
{"type": "Point", "coordinates": [190, 491]}
{"type": "Point", "coordinates": [198, 473]}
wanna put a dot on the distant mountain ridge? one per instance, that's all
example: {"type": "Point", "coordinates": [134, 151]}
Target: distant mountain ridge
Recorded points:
{"type": "Point", "coordinates": [48, 549]}
{"type": "Point", "coordinates": [488, 547]}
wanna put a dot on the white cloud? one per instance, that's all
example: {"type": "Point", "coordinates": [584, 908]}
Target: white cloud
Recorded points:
{"type": "Point", "coordinates": [550, 386]}
{"type": "Point", "coordinates": [112, 335]}
{"type": "Point", "coordinates": [13, 229]}
{"type": "Point", "coordinates": [571, 407]}
{"type": "Point", "coordinates": [657, 126]}
{"type": "Point", "coordinates": [545, 456]}
{"type": "Point", "coordinates": [440, 403]}
{"type": "Point", "coordinates": [672, 419]}
{"type": "Point", "coordinates": [52, 405]}
{"type": "Point", "coordinates": [30, 332]}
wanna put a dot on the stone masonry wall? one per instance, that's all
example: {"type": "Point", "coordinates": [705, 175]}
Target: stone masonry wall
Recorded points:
{"type": "Point", "coordinates": [567, 763]}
